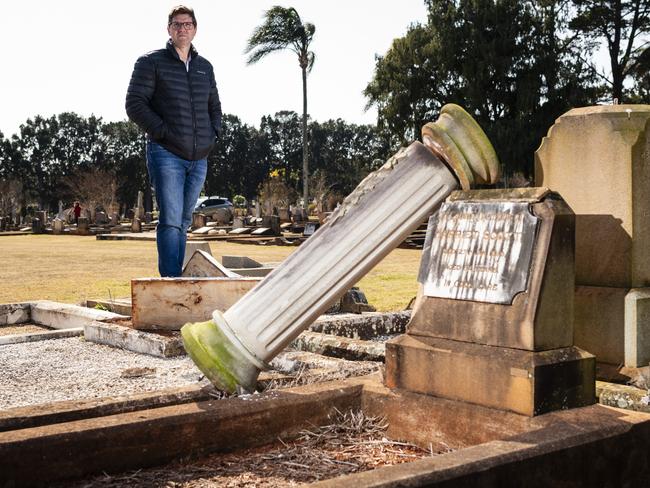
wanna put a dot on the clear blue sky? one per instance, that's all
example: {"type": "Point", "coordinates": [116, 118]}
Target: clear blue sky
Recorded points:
{"type": "Point", "coordinates": [74, 55]}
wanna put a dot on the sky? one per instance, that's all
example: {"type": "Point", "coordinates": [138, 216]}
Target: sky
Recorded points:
{"type": "Point", "coordinates": [73, 55]}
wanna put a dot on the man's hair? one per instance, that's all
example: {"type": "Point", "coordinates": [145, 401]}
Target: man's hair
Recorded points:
{"type": "Point", "coordinates": [181, 9]}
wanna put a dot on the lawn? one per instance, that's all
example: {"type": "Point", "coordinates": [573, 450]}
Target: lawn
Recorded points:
{"type": "Point", "coordinates": [74, 268]}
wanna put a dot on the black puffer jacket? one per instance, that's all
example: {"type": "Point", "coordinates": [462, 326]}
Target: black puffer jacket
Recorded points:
{"type": "Point", "coordinates": [178, 109]}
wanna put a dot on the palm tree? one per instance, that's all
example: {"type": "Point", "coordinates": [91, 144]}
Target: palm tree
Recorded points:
{"type": "Point", "coordinates": [283, 29]}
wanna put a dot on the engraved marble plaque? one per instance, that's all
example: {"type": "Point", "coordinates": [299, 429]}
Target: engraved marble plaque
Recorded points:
{"type": "Point", "coordinates": [478, 251]}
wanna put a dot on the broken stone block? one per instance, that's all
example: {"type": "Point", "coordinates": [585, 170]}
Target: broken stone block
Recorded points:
{"type": "Point", "coordinates": [192, 246]}
{"type": "Point", "coordinates": [239, 262]}
{"type": "Point", "coordinates": [201, 265]}
{"type": "Point", "coordinates": [352, 301]}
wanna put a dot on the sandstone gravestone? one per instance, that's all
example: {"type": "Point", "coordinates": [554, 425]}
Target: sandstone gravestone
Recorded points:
{"type": "Point", "coordinates": [83, 226]}
{"type": "Point", "coordinates": [136, 225]}
{"type": "Point", "coordinates": [198, 220]}
{"type": "Point", "coordinates": [493, 321]}
{"type": "Point", "coordinates": [598, 158]}
{"type": "Point", "coordinates": [58, 226]}
{"type": "Point", "coordinates": [202, 265]}
{"type": "Point", "coordinates": [192, 246]}
{"type": "Point", "coordinates": [271, 222]}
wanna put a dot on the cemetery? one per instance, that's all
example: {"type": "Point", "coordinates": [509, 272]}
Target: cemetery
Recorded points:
{"type": "Point", "coordinates": [522, 361]}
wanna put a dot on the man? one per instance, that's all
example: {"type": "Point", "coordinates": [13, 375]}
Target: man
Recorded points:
{"type": "Point", "coordinates": [173, 97]}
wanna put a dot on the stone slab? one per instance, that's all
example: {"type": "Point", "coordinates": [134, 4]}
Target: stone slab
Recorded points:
{"type": "Point", "coordinates": [66, 316]}
{"type": "Point", "coordinates": [170, 303]}
{"type": "Point", "coordinates": [253, 272]}
{"type": "Point", "coordinates": [367, 325]}
{"type": "Point", "coordinates": [14, 313]}
{"type": "Point", "coordinates": [339, 347]}
{"type": "Point", "coordinates": [116, 335]}
{"type": "Point", "coordinates": [203, 265]}
{"type": "Point", "coordinates": [240, 262]}
{"type": "Point", "coordinates": [41, 336]}
{"type": "Point", "coordinates": [525, 382]}
{"type": "Point", "coordinates": [116, 305]}
{"type": "Point", "coordinates": [540, 318]}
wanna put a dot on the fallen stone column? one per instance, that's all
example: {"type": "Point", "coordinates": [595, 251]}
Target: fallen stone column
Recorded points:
{"type": "Point", "coordinates": [374, 219]}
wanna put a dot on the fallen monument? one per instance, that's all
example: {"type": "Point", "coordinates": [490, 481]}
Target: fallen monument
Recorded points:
{"type": "Point", "coordinates": [235, 346]}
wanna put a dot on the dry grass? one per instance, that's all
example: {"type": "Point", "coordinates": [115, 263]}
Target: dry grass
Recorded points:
{"type": "Point", "coordinates": [352, 443]}
{"type": "Point", "coordinates": [75, 268]}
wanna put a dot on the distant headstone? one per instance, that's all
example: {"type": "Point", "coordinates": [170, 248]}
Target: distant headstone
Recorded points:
{"type": "Point", "coordinates": [83, 226]}
{"type": "Point", "coordinates": [237, 222]}
{"type": "Point", "coordinates": [139, 209]}
{"type": "Point", "coordinates": [147, 217]}
{"type": "Point", "coordinates": [58, 226]}
{"type": "Point", "coordinates": [136, 225]}
{"type": "Point", "coordinates": [3, 224]}
{"type": "Point", "coordinates": [222, 216]}
{"type": "Point", "coordinates": [310, 228]}
{"type": "Point", "coordinates": [37, 226]}
{"type": "Point", "coordinates": [284, 214]}
{"type": "Point", "coordinates": [258, 209]}
{"type": "Point", "coordinates": [101, 218]}
{"type": "Point", "coordinates": [114, 219]}
{"type": "Point", "coordinates": [271, 222]}
{"type": "Point", "coordinates": [198, 220]}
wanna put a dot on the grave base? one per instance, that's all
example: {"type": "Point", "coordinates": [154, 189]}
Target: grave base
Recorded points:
{"type": "Point", "coordinates": [525, 382]}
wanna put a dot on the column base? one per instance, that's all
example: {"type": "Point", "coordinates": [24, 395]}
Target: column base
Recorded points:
{"type": "Point", "coordinates": [218, 354]}
{"type": "Point", "coordinates": [525, 382]}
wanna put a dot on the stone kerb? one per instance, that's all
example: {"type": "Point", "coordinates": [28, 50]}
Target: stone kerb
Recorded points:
{"type": "Point", "coordinates": [598, 158]}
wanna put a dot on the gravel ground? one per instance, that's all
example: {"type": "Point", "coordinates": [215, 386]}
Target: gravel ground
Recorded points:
{"type": "Point", "coordinates": [73, 369]}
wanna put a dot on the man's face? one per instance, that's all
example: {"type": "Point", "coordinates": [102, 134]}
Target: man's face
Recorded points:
{"type": "Point", "coordinates": [181, 30]}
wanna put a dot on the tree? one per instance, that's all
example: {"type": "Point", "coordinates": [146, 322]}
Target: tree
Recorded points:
{"type": "Point", "coordinates": [283, 29]}
{"type": "Point", "coordinates": [505, 61]}
{"type": "Point", "coordinates": [281, 136]}
{"type": "Point", "coordinates": [623, 26]}
{"type": "Point", "coordinates": [124, 157]}
{"type": "Point", "coordinates": [239, 163]}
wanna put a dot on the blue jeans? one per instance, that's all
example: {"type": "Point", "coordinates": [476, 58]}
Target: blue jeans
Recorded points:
{"type": "Point", "coordinates": [177, 184]}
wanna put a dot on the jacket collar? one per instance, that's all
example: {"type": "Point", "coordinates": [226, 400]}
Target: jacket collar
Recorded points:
{"type": "Point", "coordinates": [172, 50]}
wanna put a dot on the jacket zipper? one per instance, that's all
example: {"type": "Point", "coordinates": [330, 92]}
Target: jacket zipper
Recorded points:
{"type": "Point", "coordinates": [189, 84]}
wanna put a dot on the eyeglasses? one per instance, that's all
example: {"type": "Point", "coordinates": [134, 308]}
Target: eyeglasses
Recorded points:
{"type": "Point", "coordinates": [182, 25]}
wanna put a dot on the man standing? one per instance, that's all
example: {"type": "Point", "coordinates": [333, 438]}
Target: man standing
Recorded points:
{"type": "Point", "coordinates": [173, 97]}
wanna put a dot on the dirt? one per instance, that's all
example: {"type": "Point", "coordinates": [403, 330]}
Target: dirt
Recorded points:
{"type": "Point", "coordinates": [23, 328]}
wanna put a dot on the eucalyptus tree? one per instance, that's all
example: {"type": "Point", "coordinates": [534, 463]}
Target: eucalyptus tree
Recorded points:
{"type": "Point", "coordinates": [281, 29]}
{"type": "Point", "coordinates": [623, 26]}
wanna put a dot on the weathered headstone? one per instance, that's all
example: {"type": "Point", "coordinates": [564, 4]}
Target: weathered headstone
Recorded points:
{"type": "Point", "coordinates": [37, 226]}
{"type": "Point", "coordinates": [271, 222]}
{"type": "Point", "coordinates": [147, 217]}
{"type": "Point", "coordinates": [192, 246]}
{"type": "Point", "coordinates": [101, 218]}
{"type": "Point", "coordinates": [310, 228]}
{"type": "Point", "coordinates": [139, 209]}
{"type": "Point", "coordinates": [258, 209]}
{"type": "Point", "coordinates": [58, 226]}
{"type": "Point", "coordinates": [202, 265]}
{"type": "Point", "coordinates": [114, 219]}
{"type": "Point", "coordinates": [83, 226]}
{"type": "Point", "coordinates": [598, 158]}
{"type": "Point", "coordinates": [136, 225]}
{"type": "Point", "coordinates": [222, 216]}
{"type": "Point", "coordinates": [284, 214]}
{"type": "Point", "coordinates": [237, 222]}
{"type": "Point", "coordinates": [493, 321]}
{"type": "Point", "coordinates": [198, 220]}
